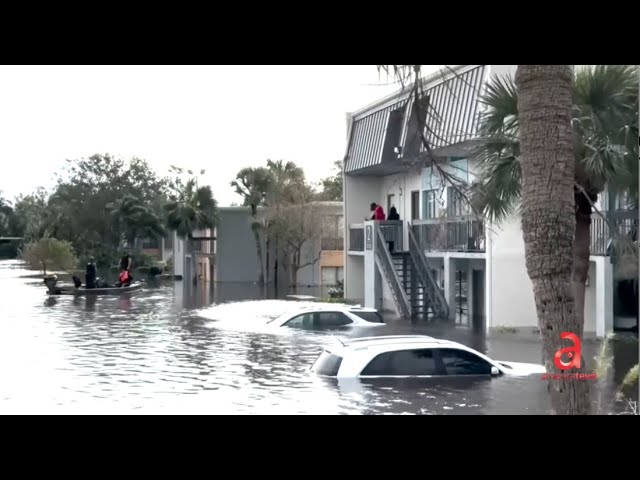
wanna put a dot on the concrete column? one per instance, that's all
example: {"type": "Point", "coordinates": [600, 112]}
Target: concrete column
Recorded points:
{"type": "Point", "coordinates": [488, 271]}
{"type": "Point", "coordinates": [450, 285]}
{"type": "Point", "coordinates": [604, 296]}
{"type": "Point", "coordinates": [372, 278]}
{"type": "Point", "coordinates": [469, 293]}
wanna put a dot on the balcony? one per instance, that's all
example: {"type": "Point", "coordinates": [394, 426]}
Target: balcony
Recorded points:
{"type": "Point", "coordinates": [332, 243]}
{"type": "Point", "coordinates": [450, 235]}
{"type": "Point", "coordinates": [619, 224]}
{"type": "Point", "coordinates": [203, 246]}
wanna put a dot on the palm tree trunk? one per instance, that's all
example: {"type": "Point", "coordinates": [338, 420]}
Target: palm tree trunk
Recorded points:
{"type": "Point", "coordinates": [256, 235]}
{"type": "Point", "coordinates": [267, 269]}
{"type": "Point", "coordinates": [581, 253]}
{"type": "Point", "coordinates": [548, 215]}
{"type": "Point", "coordinates": [294, 278]}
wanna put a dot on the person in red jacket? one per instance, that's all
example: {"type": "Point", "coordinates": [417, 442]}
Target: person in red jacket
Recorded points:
{"type": "Point", "coordinates": [378, 212]}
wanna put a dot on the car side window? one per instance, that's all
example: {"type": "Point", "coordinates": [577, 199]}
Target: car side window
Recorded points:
{"type": "Point", "coordinates": [332, 319]}
{"type": "Point", "coordinates": [461, 362]}
{"type": "Point", "coordinates": [417, 362]}
{"type": "Point", "coordinates": [304, 321]}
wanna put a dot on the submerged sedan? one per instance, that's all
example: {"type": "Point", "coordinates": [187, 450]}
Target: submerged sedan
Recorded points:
{"type": "Point", "coordinates": [328, 316]}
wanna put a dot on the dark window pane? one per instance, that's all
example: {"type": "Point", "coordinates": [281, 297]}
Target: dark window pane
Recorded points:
{"type": "Point", "coordinates": [332, 319]}
{"type": "Point", "coordinates": [304, 321]}
{"type": "Point", "coordinates": [461, 362]}
{"type": "Point", "coordinates": [373, 317]}
{"type": "Point", "coordinates": [327, 364]}
{"type": "Point", "coordinates": [402, 363]}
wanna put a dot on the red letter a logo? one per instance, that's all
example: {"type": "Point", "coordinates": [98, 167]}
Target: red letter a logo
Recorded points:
{"type": "Point", "coordinates": [573, 353]}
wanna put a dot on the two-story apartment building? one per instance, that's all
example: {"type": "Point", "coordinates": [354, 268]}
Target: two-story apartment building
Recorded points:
{"type": "Point", "coordinates": [445, 262]}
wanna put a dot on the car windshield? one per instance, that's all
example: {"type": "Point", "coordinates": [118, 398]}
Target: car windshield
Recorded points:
{"type": "Point", "coordinates": [373, 317]}
{"type": "Point", "coordinates": [327, 364]}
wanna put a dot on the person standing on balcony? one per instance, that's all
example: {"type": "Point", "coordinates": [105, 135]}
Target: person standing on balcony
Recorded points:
{"type": "Point", "coordinates": [393, 216]}
{"type": "Point", "coordinates": [378, 212]}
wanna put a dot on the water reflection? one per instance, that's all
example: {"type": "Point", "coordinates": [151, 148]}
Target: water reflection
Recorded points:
{"type": "Point", "coordinates": [160, 350]}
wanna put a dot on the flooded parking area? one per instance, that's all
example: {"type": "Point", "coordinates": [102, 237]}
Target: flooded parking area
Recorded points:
{"type": "Point", "coordinates": [166, 349]}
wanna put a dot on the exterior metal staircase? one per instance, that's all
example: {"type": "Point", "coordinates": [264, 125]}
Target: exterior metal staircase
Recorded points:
{"type": "Point", "coordinates": [413, 288]}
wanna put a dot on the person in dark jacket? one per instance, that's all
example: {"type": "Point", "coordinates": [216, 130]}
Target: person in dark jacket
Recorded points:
{"type": "Point", "coordinates": [90, 274]}
{"type": "Point", "coordinates": [393, 216]}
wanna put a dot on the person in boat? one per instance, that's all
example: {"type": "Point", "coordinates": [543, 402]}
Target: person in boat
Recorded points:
{"type": "Point", "coordinates": [90, 274]}
{"type": "Point", "coordinates": [125, 278]}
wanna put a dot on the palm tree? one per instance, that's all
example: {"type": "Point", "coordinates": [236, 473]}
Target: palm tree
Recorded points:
{"type": "Point", "coordinates": [605, 128]}
{"type": "Point", "coordinates": [191, 208]}
{"type": "Point", "coordinates": [548, 213]}
{"type": "Point", "coordinates": [253, 184]}
{"type": "Point", "coordinates": [134, 219]}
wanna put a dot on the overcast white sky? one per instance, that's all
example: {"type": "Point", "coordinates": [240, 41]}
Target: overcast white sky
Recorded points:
{"type": "Point", "coordinates": [219, 118]}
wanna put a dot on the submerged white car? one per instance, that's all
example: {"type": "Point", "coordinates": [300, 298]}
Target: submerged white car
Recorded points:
{"type": "Point", "coordinates": [327, 316]}
{"type": "Point", "coordinates": [411, 356]}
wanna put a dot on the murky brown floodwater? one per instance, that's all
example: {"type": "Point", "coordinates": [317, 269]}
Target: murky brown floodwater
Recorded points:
{"type": "Point", "coordinates": [157, 351]}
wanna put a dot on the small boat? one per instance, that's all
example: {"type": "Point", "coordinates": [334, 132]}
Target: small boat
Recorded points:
{"type": "Point", "coordinates": [97, 291]}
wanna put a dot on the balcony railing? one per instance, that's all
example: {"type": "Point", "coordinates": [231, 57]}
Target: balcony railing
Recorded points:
{"type": "Point", "coordinates": [356, 237]}
{"type": "Point", "coordinates": [450, 234]}
{"type": "Point", "coordinates": [392, 233]}
{"type": "Point", "coordinates": [332, 243]}
{"type": "Point", "coordinates": [619, 225]}
{"type": "Point", "coordinates": [201, 246]}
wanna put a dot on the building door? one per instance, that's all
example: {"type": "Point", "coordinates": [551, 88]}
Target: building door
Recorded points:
{"type": "Point", "coordinates": [478, 298]}
{"type": "Point", "coordinates": [415, 205]}
{"type": "Point", "coordinates": [390, 202]}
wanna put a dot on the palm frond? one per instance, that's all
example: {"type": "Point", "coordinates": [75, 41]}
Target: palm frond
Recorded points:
{"type": "Point", "coordinates": [501, 101]}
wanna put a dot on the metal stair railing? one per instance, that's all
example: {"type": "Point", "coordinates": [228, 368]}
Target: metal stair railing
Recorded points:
{"type": "Point", "coordinates": [386, 267]}
{"type": "Point", "coordinates": [431, 289]}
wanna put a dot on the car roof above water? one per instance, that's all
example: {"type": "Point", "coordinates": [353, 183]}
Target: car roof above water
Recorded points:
{"type": "Point", "coordinates": [385, 341]}
{"type": "Point", "coordinates": [321, 307]}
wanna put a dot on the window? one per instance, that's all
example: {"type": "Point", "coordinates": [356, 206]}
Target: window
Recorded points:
{"type": "Point", "coordinates": [304, 321]}
{"type": "Point", "coordinates": [390, 201]}
{"type": "Point", "coordinates": [455, 202]}
{"type": "Point", "coordinates": [331, 275]}
{"type": "Point", "coordinates": [327, 364]}
{"type": "Point", "coordinates": [373, 317]}
{"type": "Point", "coordinates": [429, 204]}
{"type": "Point", "coordinates": [331, 319]}
{"type": "Point", "coordinates": [461, 362]}
{"type": "Point", "coordinates": [402, 363]}
{"type": "Point", "coordinates": [415, 205]}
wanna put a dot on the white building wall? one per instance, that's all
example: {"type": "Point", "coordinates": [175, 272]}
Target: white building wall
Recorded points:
{"type": "Point", "coordinates": [359, 192]}
{"type": "Point", "coordinates": [511, 291]}
{"type": "Point", "coordinates": [511, 294]}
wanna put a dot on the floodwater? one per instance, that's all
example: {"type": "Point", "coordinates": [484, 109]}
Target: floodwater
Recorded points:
{"type": "Point", "coordinates": [168, 350]}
